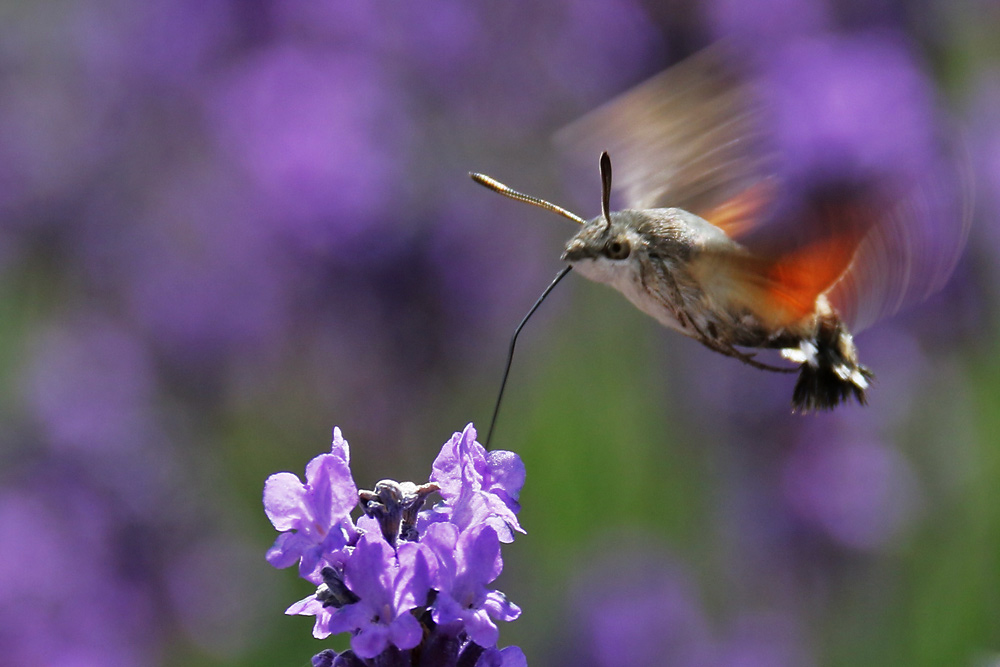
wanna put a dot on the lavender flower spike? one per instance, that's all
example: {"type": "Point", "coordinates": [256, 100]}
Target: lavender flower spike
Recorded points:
{"type": "Point", "coordinates": [409, 584]}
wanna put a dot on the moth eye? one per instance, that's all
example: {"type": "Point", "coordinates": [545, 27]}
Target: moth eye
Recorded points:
{"type": "Point", "coordinates": [617, 249]}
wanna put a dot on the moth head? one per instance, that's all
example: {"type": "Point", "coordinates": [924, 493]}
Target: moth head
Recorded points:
{"type": "Point", "coordinates": [613, 239]}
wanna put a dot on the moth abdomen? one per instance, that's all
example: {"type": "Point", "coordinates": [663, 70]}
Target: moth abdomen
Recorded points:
{"type": "Point", "coordinates": [830, 373]}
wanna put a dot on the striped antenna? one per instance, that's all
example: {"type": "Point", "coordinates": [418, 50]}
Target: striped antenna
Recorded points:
{"type": "Point", "coordinates": [497, 186]}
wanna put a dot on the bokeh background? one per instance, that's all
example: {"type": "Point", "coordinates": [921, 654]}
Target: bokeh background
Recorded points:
{"type": "Point", "coordinates": [228, 225]}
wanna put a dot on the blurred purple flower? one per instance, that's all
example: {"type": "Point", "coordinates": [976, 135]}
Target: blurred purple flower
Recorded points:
{"type": "Point", "coordinates": [152, 42]}
{"type": "Point", "coordinates": [322, 138]}
{"type": "Point", "coordinates": [854, 105]}
{"type": "Point", "coordinates": [91, 393]}
{"type": "Point", "coordinates": [765, 25]}
{"type": "Point", "coordinates": [634, 607]}
{"type": "Point", "coordinates": [200, 271]}
{"type": "Point", "coordinates": [91, 386]}
{"type": "Point", "coordinates": [51, 140]}
{"type": "Point", "coordinates": [481, 238]}
{"type": "Point", "coordinates": [232, 178]}
{"type": "Point", "coordinates": [763, 640]}
{"type": "Point", "coordinates": [460, 54]}
{"type": "Point", "coordinates": [985, 147]}
{"type": "Point", "coordinates": [62, 588]}
{"type": "Point", "coordinates": [219, 595]}
{"type": "Point", "coordinates": [510, 656]}
{"type": "Point", "coordinates": [856, 489]}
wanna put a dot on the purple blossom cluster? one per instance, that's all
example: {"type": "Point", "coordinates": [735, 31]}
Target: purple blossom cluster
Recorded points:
{"type": "Point", "coordinates": [411, 585]}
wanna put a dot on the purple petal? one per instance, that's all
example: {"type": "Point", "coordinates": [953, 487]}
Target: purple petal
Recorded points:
{"type": "Point", "coordinates": [372, 639]}
{"type": "Point", "coordinates": [332, 488]}
{"type": "Point", "coordinates": [287, 549]}
{"type": "Point", "coordinates": [309, 606]}
{"type": "Point", "coordinates": [501, 517]}
{"type": "Point", "coordinates": [480, 549]}
{"type": "Point", "coordinates": [284, 497]}
{"type": "Point", "coordinates": [320, 629]}
{"type": "Point", "coordinates": [446, 609]}
{"type": "Point", "coordinates": [477, 487]}
{"type": "Point", "coordinates": [441, 537]}
{"type": "Point", "coordinates": [513, 657]}
{"type": "Point", "coordinates": [324, 658]}
{"type": "Point", "coordinates": [458, 467]}
{"type": "Point", "coordinates": [444, 470]}
{"type": "Point", "coordinates": [339, 448]}
{"type": "Point", "coordinates": [506, 472]}
{"type": "Point", "coordinates": [490, 658]}
{"type": "Point", "coordinates": [500, 608]}
{"type": "Point", "coordinates": [368, 570]}
{"type": "Point", "coordinates": [350, 618]}
{"type": "Point", "coordinates": [481, 628]}
{"type": "Point", "coordinates": [483, 508]}
{"type": "Point", "coordinates": [334, 545]}
{"type": "Point", "coordinates": [331, 551]}
{"type": "Point", "coordinates": [417, 574]}
{"type": "Point", "coordinates": [367, 524]}
{"type": "Point", "coordinates": [405, 631]}
{"type": "Point", "coordinates": [348, 659]}
{"type": "Point", "coordinates": [469, 509]}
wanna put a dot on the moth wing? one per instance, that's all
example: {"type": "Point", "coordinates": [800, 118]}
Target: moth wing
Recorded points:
{"type": "Point", "coordinates": [870, 253]}
{"type": "Point", "coordinates": [688, 138]}
{"type": "Point", "coordinates": [780, 287]}
{"type": "Point", "coordinates": [913, 248]}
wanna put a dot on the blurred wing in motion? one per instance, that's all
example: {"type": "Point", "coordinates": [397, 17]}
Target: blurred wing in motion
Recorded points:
{"type": "Point", "coordinates": [912, 249]}
{"type": "Point", "coordinates": [688, 138]}
{"type": "Point", "coordinates": [698, 137]}
{"type": "Point", "coordinates": [781, 286]}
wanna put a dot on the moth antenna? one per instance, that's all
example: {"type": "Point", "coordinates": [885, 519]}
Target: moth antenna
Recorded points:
{"type": "Point", "coordinates": [513, 342]}
{"type": "Point", "coordinates": [497, 186]}
{"type": "Point", "coordinates": [606, 187]}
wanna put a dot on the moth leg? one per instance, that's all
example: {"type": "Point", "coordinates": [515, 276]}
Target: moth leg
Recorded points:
{"type": "Point", "coordinates": [746, 358]}
{"type": "Point", "coordinates": [688, 322]}
{"type": "Point", "coordinates": [727, 349]}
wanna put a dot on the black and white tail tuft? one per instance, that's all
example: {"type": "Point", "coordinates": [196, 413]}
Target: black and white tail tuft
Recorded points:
{"type": "Point", "coordinates": [830, 373]}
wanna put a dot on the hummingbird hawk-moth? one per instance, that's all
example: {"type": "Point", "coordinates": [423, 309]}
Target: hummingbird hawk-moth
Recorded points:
{"type": "Point", "coordinates": [716, 245]}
